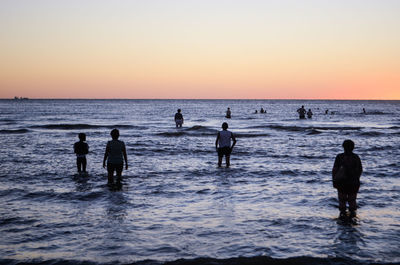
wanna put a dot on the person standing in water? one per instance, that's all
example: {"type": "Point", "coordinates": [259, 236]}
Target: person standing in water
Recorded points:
{"type": "Point", "coordinates": [309, 114]}
{"type": "Point", "coordinates": [223, 144]}
{"type": "Point", "coordinates": [302, 112]}
{"type": "Point", "coordinates": [178, 118]}
{"type": "Point", "coordinates": [228, 113]}
{"type": "Point", "coordinates": [349, 166]}
{"type": "Point", "coordinates": [81, 149]}
{"type": "Point", "coordinates": [115, 155]}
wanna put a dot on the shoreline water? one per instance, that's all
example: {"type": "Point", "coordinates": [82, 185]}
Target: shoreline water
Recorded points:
{"type": "Point", "coordinates": [276, 201]}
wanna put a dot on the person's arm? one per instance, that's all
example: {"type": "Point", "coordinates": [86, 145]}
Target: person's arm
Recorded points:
{"type": "Point", "coordinates": [105, 156]}
{"type": "Point", "coordinates": [87, 149]}
{"type": "Point", "coordinates": [125, 156]}
{"type": "Point", "coordinates": [216, 142]}
{"type": "Point", "coordinates": [234, 140]}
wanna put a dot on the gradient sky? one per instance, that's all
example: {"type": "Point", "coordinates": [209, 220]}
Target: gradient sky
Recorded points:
{"type": "Point", "coordinates": [251, 49]}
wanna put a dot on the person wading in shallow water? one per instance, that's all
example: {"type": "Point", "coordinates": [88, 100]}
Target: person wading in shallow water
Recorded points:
{"type": "Point", "coordinates": [115, 155]}
{"type": "Point", "coordinates": [178, 118]}
{"type": "Point", "coordinates": [223, 144]}
{"type": "Point", "coordinates": [81, 149]}
{"type": "Point", "coordinates": [346, 174]}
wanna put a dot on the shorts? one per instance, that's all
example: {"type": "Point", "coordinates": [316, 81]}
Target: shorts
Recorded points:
{"type": "Point", "coordinates": [179, 122]}
{"type": "Point", "coordinates": [224, 151]}
{"type": "Point", "coordinates": [114, 167]}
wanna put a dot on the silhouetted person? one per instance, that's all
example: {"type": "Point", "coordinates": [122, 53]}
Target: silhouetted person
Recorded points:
{"type": "Point", "coordinates": [262, 110]}
{"type": "Point", "coordinates": [178, 118]}
{"type": "Point", "coordinates": [228, 113]}
{"type": "Point", "coordinates": [81, 149]}
{"type": "Point", "coordinates": [364, 111]}
{"type": "Point", "coordinates": [223, 144]}
{"type": "Point", "coordinates": [351, 168]}
{"type": "Point", "coordinates": [309, 114]}
{"type": "Point", "coordinates": [302, 112]}
{"type": "Point", "coordinates": [115, 155]}
{"type": "Point", "coordinates": [326, 112]}
{"type": "Point", "coordinates": [256, 112]}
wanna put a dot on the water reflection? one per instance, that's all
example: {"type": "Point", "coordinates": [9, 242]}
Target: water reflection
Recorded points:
{"type": "Point", "coordinates": [349, 241]}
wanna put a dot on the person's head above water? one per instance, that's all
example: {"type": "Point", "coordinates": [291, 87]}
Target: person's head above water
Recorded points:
{"type": "Point", "coordinates": [225, 126]}
{"type": "Point", "coordinates": [82, 136]}
{"type": "Point", "coordinates": [114, 134]}
{"type": "Point", "coordinates": [179, 110]}
{"type": "Point", "coordinates": [348, 146]}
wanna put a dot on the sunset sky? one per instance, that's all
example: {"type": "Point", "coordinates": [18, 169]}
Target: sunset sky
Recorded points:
{"type": "Point", "coordinates": [250, 49]}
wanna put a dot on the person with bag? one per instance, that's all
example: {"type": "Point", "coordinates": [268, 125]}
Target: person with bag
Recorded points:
{"type": "Point", "coordinates": [346, 174]}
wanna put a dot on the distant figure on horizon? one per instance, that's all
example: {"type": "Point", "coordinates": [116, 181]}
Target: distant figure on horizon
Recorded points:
{"type": "Point", "coordinates": [178, 118]}
{"type": "Point", "coordinates": [346, 174]}
{"type": "Point", "coordinates": [364, 111]}
{"type": "Point", "coordinates": [228, 113]}
{"type": "Point", "coordinates": [223, 144]}
{"type": "Point", "coordinates": [81, 149]}
{"type": "Point", "coordinates": [115, 155]}
{"type": "Point", "coordinates": [302, 112]}
{"type": "Point", "coordinates": [309, 114]}
{"type": "Point", "coordinates": [256, 112]}
{"type": "Point", "coordinates": [262, 110]}
{"type": "Point", "coordinates": [326, 112]}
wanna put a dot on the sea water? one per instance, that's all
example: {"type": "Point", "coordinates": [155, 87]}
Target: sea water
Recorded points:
{"type": "Point", "coordinates": [276, 200]}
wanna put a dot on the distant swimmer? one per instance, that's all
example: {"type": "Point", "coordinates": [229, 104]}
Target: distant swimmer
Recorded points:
{"type": "Point", "coordinates": [302, 112]}
{"type": "Point", "coordinates": [115, 155]}
{"type": "Point", "coordinates": [256, 112]}
{"type": "Point", "coordinates": [346, 174]}
{"type": "Point", "coordinates": [178, 118]}
{"type": "Point", "coordinates": [81, 149]}
{"type": "Point", "coordinates": [262, 110]}
{"type": "Point", "coordinates": [228, 113]}
{"type": "Point", "coordinates": [364, 111]}
{"type": "Point", "coordinates": [309, 114]}
{"type": "Point", "coordinates": [326, 112]}
{"type": "Point", "coordinates": [223, 144]}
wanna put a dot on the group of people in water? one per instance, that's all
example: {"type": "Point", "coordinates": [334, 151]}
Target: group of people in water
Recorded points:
{"type": "Point", "coordinates": [346, 170]}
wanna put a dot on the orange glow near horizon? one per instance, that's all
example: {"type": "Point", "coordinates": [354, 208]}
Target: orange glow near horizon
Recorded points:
{"type": "Point", "coordinates": [183, 49]}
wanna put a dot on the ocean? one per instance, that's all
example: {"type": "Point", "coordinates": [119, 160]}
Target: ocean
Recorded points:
{"type": "Point", "coordinates": [274, 205]}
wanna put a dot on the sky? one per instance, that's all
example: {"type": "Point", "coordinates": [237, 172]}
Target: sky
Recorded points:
{"type": "Point", "coordinates": [205, 49]}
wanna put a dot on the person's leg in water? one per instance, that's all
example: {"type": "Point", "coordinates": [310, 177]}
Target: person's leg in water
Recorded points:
{"type": "Point", "coordinates": [110, 170]}
{"type": "Point", "coordinates": [219, 160]}
{"type": "Point", "coordinates": [84, 162]}
{"type": "Point", "coordinates": [119, 173]}
{"type": "Point", "coordinates": [228, 160]}
{"type": "Point", "coordinates": [78, 164]}
{"type": "Point", "coordinates": [352, 204]}
{"type": "Point", "coordinates": [342, 203]}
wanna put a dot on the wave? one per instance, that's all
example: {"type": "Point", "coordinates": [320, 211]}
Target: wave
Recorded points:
{"type": "Point", "coordinates": [17, 131]}
{"type": "Point", "coordinates": [372, 133]}
{"type": "Point", "coordinates": [84, 126]}
{"type": "Point", "coordinates": [257, 260]}
{"type": "Point", "coordinates": [313, 129]}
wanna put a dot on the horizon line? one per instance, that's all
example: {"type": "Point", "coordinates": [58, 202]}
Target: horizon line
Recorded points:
{"type": "Point", "coordinates": [309, 99]}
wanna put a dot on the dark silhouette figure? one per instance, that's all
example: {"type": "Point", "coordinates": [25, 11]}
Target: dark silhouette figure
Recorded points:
{"type": "Point", "coordinates": [178, 118]}
{"type": "Point", "coordinates": [346, 174]}
{"type": "Point", "coordinates": [364, 111]}
{"type": "Point", "coordinates": [115, 155]}
{"type": "Point", "coordinates": [228, 113]}
{"type": "Point", "coordinates": [326, 112]}
{"type": "Point", "coordinates": [81, 149]}
{"type": "Point", "coordinates": [256, 112]}
{"type": "Point", "coordinates": [302, 112]}
{"type": "Point", "coordinates": [223, 144]}
{"type": "Point", "coordinates": [309, 114]}
{"type": "Point", "coordinates": [262, 110]}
